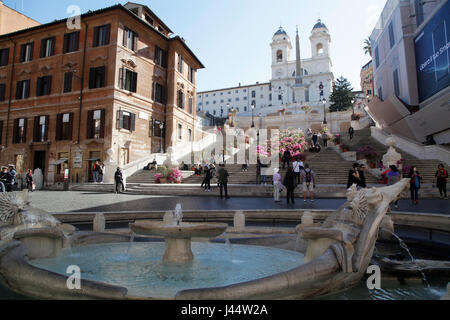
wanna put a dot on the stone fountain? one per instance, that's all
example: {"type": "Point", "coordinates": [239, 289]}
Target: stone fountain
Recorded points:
{"type": "Point", "coordinates": [178, 235]}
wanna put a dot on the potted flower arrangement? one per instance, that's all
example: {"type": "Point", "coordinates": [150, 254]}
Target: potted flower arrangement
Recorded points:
{"type": "Point", "coordinates": [175, 176]}
{"type": "Point", "coordinates": [161, 176]}
{"type": "Point", "coordinates": [337, 139]}
{"type": "Point", "coordinates": [369, 154]}
{"type": "Point", "coordinates": [356, 117]}
{"type": "Point", "coordinates": [294, 141]}
{"type": "Point", "coordinates": [307, 109]}
{"type": "Point", "coordinates": [345, 148]}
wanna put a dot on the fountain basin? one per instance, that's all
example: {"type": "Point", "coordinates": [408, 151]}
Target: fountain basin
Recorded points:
{"type": "Point", "coordinates": [178, 237]}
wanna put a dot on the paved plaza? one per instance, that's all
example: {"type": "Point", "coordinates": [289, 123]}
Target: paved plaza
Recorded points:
{"type": "Point", "coordinates": [82, 201]}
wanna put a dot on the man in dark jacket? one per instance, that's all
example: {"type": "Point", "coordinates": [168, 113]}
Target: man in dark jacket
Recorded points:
{"type": "Point", "coordinates": [6, 178]}
{"type": "Point", "coordinates": [286, 158]}
{"type": "Point", "coordinates": [118, 177]}
{"type": "Point", "coordinates": [290, 183]}
{"type": "Point", "coordinates": [351, 132]}
{"type": "Point", "coordinates": [353, 176]}
{"type": "Point", "coordinates": [223, 181]}
{"type": "Point", "coordinates": [362, 176]}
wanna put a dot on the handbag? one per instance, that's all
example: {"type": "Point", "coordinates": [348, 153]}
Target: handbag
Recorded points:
{"type": "Point", "coordinates": [33, 186]}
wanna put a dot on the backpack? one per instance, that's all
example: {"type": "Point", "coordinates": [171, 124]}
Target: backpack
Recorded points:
{"type": "Point", "coordinates": [308, 176]}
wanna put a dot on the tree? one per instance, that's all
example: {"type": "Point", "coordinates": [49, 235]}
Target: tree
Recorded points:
{"type": "Point", "coordinates": [342, 95]}
{"type": "Point", "coordinates": [367, 46]}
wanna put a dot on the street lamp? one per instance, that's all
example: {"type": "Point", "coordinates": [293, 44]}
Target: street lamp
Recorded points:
{"type": "Point", "coordinates": [353, 105]}
{"type": "Point", "coordinates": [253, 120]}
{"type": "Point", "coordinates": [324, 101]}
{"type": "Point", "coordinates": [161, 127]}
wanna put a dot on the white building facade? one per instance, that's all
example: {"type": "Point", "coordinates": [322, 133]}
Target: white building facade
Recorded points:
{"type": "Point", "coordinates": [286, 89]}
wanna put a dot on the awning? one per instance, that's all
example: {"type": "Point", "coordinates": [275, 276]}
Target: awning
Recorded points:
{"type": "Point", "coordinates": [58, 162]}
{"type": "Point", "coordinates": [92, 159]}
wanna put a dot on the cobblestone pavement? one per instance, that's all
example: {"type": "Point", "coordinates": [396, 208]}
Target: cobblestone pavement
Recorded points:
{"type": "Point", "coordinates": [82, 201]}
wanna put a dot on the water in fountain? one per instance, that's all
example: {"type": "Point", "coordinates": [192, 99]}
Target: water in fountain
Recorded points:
{"type": "Point", "coordinates": [413, 260]}
{"type": "Point", "coordinates": [131, 241]}
{"type": "Point", "coordinates": [297, 242]}
{"type": "Point", "coordinates": [178, 214]}
{"type": "Point", "coordinates": [228, 245]}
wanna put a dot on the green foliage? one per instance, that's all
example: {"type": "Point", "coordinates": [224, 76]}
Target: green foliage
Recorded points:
{"type": "Point", "coordinates": [163, 171]}
{"type": "Point", "coordinates": [342, 96]}
{"type": "Point", "coordinates": [367, 46]}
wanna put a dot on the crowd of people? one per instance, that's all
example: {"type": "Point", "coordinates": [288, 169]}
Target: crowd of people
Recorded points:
{"type": "Point", "coordinates": [8, 179]}
{"type": "Point", "coordinates": [98, 170]}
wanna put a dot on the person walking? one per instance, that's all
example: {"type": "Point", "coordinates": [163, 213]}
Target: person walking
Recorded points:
{"type": "Point", "coordinates": [13, 173]}
{"type": "Point", "coordinates": [6, 178]}
{"type": "Point", "coordinates": [441, 181]}
{"type": "Point", "coordinates": [315, 138]}
{"type": "Point", "coordinates": [223, 181]}
{"type": "Point", "coordinates": [277, 185]}
{"type": "Point", "coordinates": [309, 183]}
{"type": "Point", "coordinates": [298, 167]}
{"type": "Point", "coordinates": [351, 132]}
{"type": "Point", "coordinates": [393, 176]}
{"type": "Point", "coordinates": [362, 176]}
{"type": "Point", "coordinates": [207, 180]}
{"type": "Point", "coordinates": [118, 177]}
{"type": "Point", "coordinates": [286, 158]}
{"type": "Point", "coordinates": [353, 176]}
{"type": "Point", "coordinates": [325, 139]}
{"type": "Point", "coordinates": [414, 184]}
{"type": "Point", "coordinates": [29, 179]}
{"type": "Point", "coordinates": [101, 172]}
{"type": "Point", "coordinates": [96, 171]}
{"type": "Point", "coordinates": [289, 183]}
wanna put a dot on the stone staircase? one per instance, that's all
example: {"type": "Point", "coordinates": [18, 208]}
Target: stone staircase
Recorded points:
{"type": "Point", "coordinates": [427, 168]}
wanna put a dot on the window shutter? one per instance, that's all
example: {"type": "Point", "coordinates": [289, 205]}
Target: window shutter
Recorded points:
{"type": "Point", "coordinates": [4, 57]}
{"type": "Point", "coordinates": [165, 59]}
{"type": "Point", "coordinates": [68, 81]}
{"type": "Point", "coordinates": [27, 86]}
{"type": "Point", "coordinates": [120, 119]}
{"type": "Point", "coordinates": [96, 40]}
{"type": "Point", "coordinates": [77, 40]}
{"type": "Point", "coordinates": [108, 34]}
{"type": "Point", "coordinates": [22, 53]}
{"type": "Point", "coordinates": [31, 51]}
{"type": "Point", "coordinates": [2, 91]}
{"type": "Point", "coordinates": [43, 45]}
{"type": "Point", "coordinates": [19, 89]}
{"type": "Point", "coordinates": [92, 78]}
{"type": "Point", "coordinates": [125, 34]}
{"type": "Point", "coordinates": [47, 120]}
{"type": "Point", "coordinates": [24, 138]}
{"type": "Point", "coordinates": [36, 129]}
{"type": "Point", "coordinates": [90, 125]}
{"type": "Point", "coordinates": [103, 76]}
{"type": "Point", "coordinates": [15, 131]}
{"type": "Point", "coordinates": [121, 77]}
{"type": "Point", "coordinates": [134, 82]}
{"type": "Point", "coordinates": [133, 122]}
{"type": "Point", "coordinates": [49, 85]}
{"type": "Point", "coordinates": [135, 42]}
{"type": "Point", "coordinates": [66, 43]}
{"type": "Point", "coordinates": [102, 123]}
{"type": "Point", "coordinates": [59, 126]}
{"type": "Point", "coordinates": [69, 137]}
{"type": "Point", "coordinates": [38, 86]}
{"type": "Point", "coordinates": [52, 49]}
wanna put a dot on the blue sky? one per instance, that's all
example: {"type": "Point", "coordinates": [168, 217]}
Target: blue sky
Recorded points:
{"type": "Point", "coordinates": [232, 37]}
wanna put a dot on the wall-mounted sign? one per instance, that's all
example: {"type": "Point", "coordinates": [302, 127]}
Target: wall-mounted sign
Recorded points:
{"type": "Point", "coordinates": [77, 160]}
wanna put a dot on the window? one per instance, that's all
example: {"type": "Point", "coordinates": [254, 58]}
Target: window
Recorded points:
{"type": "Point", "coordinates": [214, 112]}
{"type": "Point", "coordinates": [229, 100]}
{"type": "Point", "coordinates": [48, 47]}
{"type": "Point", "coordinates": [97, 77]}
{"type": "Point", "coordinates": [23, 89]}
{"type": "Point", "coordinates": [71, 42]}
{"type": "Point", "coordinates": [391, 35]}
{"type": "Point", "coordinates": [64, 126]}
{"type": "Point", "coordinates": [159, 93]}
{"type": "Point", "coordinates": [161, 57]}
{"type": "Point", "coordinates": [253, 94]}
{"type": "Point", "coordinates": [20, 130]}
{"type": "Point", "coordinates": [396, 83]}
{"type": "Point", "coordinates": [101, 35]}
{"type": "Point", "coordinates": [2, 91]}
{"type": "Point", "coordinates": [191, 72]}
{"type": "Point", "coordinates": [280, 97]}
{"type": "Point", "coordinates": [245, 108]}
{"type": "Point", "coordinates": [190, 104]}
{"type": "Point", "coordinates": [68, 78]}
{"type": "Point", "coordinates": [380, 93]}
{"type": "Point", "coordinates": [261, 96]}
{"type": "Point", "coordinates": [126, 120]}
{"type": "Point", "coordinates": [149, 19]}
{"type": "Point", "coordinates": [180, 99]}
{"type": "Point", "coordinates": [319, 49]}
{"type": "Point", "coordinates": [180, 132]}
{"type": "Point", "coordinates": [270, 96]}
{"type": "Point", "coordinates": [377, 57]}
{"type": "Point", "coordinates": [4, 57]}
{"type": "Point", "coordinates": [237, 99]}
{"type": "Point", "coordinates": [128, 80]}
{"type": "Point", "coordinates": [245, 98]}
{"type": "Point", "coordinates": [44, 86]}
{"type": "Point", "coordinates": [156, 128]}
{"type": "Point", "coordinates": [96, 124]}
{"type": "Point", "coordinates": [160, 29]}
{"type": "Point", "coordinates": [1, 132]}
{"type": "Point", "coordinates": [189, 135]}
{"type": "Point", "coordinates": [419, 11]}
{"type": "Point", "coordinates": [130, 39]}
{"type": "Point", "coordinates": [214, 102]}
{"type": "Point", "coordinates": [26, 52]}
{"type": "Point", "coordinates": [369, 92]}
{"type": "Point", "coordinates": [40, 130]}
{"type": "Point", "coordinates": [279, 56]}
{"type": "Point", "coordinates": [180, 63]}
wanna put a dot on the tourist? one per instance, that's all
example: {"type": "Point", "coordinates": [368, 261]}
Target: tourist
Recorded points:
{"type": "Point", "coordinates": [286, 158]}
{"type": "Point", "coordinates": [308, 133]}
{"type": "Point", "coordinates": [309, 183]}
{"type": "Point", "coordinates": [245, 166]}
{"type": "Point", "coordinates": [118, 177]}
{"type": "Point", "coordinates": [414, 184]}
{"type": "Point", "coordinates": [223, 181]}
{"type": "Point", "coordinates": [289, 183]}
{"type": "Point", "coordinates": [362, 176]}
{"type": "Point", "coordinates": [29, 179]}
{"type": "Point", "coordinates": [101, 172]}
{"type": "Point", "coordinates": [441, 180]}
{"type": "Point", "coordinates": [325, 139]}
{"type": "Point", "coordinates": [314, 139]}
{"type": "Point", "coordinates": [6, 178]}
{"type": "Point", "coordinates": [298, 167]}
{"type": "Point", "coordinates": [353, 176]}
{"type": "Point", "coordinates": [351, 132]}
{"type": "Point", "coordinates": [13, 173]}
{"type": "Point", "coordinates": [277, 186]}
{"type": "Point", "coordinates": [207, 181]}
{"type": "Point", "coordinates": [393, 176]}
{"type": "Point", "coordinates": [96, 171]}
{"type": "Point", "coordinates": [318, 148]}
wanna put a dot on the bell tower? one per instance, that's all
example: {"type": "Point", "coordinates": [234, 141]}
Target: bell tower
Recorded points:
{"type": "Point", "coordinates": [320, 40]}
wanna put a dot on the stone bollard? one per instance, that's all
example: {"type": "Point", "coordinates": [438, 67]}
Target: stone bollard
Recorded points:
{"type": "Point", "coordinates": [239, 221]}
{"type": "Point", "coordinates": [386, 228]}
{"type": "Point", "coordinates": [307, 219]}
{"type": "Point", "coordinates": [447, 295]}
{"type": "Point", "coordinates": [168, 217]}
{"type": "Point", "coordinates": [99, 223]}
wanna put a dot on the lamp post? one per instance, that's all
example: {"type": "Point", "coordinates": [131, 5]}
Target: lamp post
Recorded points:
{"type": "Point", "coordinates": [324, 101]}
{"type": "Point", "coordinates": [232, 117]}
{"type": "Point", "coordinates": [161, 127]}
{"type": "Point", "coordinates": [253, 120]}
{"type": "Point", "coordinates": [353, 106]}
